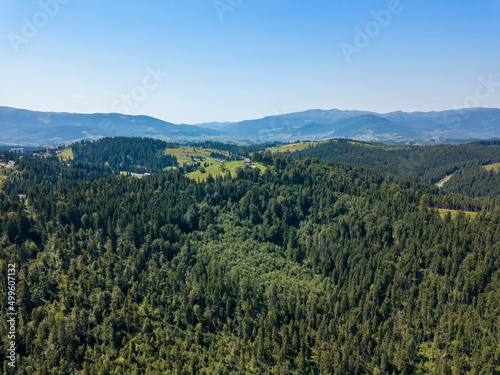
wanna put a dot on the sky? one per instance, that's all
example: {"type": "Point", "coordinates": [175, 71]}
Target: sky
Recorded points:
{"type": "Point", "coordinates": [193, 61]}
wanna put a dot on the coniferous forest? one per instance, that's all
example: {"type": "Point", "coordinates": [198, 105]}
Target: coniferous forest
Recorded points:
{"type": "Point", "coordinates": [308, 267]}
{"type": "Point", "coordinates": [429, 164]}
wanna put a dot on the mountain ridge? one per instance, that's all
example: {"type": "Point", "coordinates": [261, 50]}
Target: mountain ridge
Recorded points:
{"type": "Point", "coordinates": [24, 126]}
{"type": "Point", "coordinates": [21, 127]}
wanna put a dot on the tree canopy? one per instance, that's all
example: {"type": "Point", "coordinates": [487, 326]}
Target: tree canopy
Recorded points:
{"type": "Point", "coordinates": [310, 267]}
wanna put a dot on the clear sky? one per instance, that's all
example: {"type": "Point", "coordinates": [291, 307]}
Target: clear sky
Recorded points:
{"type": "Point", "coordinates": [230, 60]}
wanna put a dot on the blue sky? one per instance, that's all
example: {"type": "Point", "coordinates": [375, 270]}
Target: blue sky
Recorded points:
{"type": "Point", "coordinates": [230, 60]}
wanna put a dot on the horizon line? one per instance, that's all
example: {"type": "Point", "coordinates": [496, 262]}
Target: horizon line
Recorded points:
{"type": "Point", "coordinates": [252, 119]}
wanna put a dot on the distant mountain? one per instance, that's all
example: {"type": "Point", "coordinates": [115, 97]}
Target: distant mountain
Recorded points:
{"type": "Point", "coordinates": [395, 127]}
{"type": "Point", "coordinates": [287, 126]}
{"type": "Point", "coordinates": [215, 125]}
{"type": "Point", "coordinates": [365, 127]}
{"type": "Point", "coordinates": [475, 123]}
{"type": "Point", "coordinates": [18, 126]}
{"type": "Point", "coordinates": [26, 127]}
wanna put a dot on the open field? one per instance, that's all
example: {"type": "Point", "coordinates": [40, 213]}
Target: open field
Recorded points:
{"type": "Point", "coordinates": [204, 154]}
{"type": "Point", "coordinates": [381, 146]}
{"type": "Point", "coordinates": [292, 147]}
{"type": "Point", "coordinates": [443, 212]}
{"type": "Point", "coordinates": [222, 169]}
{"type": "Point", "coordinates": [66, 155]}
{"type": "Point", "coordinates": [138, 175]}
{"type": "Point", "coordinates": [492, 167]}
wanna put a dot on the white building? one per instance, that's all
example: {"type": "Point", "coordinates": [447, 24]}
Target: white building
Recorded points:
{"type": "Point", "coordinates": [17, 151]}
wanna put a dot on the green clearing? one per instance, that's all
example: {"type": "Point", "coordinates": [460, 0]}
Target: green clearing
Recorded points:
{"type": "Point", "coordinates": [492, 167]}
{"type": "Point", "coordinates": [196, 153]}
{"type": "Point", "coordinates": [380, 146]}
{"type": "Point", "coordinates": [292, 147]}
{"type": "Point", "coordinates": [300, 146]}
{"type": "Point", "coordinates": [221, 169]}
{"type": "Point", "coordinates": [66, 155]}
{"type": "Point", "coordinates": [443, 212]}
{"type": "Point", "coordinates": [138, 175]}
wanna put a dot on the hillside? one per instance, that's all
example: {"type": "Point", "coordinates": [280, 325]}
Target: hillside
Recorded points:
{"type": "Point", "coordinates": [429, 164]}
{"type": "Point", "coordinates": [475, 180]}
{"type": "Point", "coordinates": [151, 156]}
{"type": "Point", "coordinates": [221, 169]}
{"type": "Point", "coordinates": [303, 266]}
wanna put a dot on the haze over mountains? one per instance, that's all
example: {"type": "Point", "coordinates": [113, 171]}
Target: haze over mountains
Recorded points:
{"type": "Point", "coordinates": [422, 127]}
{"type": "Point", "coordinates": [22, 127]}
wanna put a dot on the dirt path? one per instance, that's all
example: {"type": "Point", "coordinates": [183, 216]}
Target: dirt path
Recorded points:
{"type": "Point", "coordinates": [441, 184]}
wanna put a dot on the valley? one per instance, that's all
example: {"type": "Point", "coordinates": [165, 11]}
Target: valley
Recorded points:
{"type": "Point", "coordinates": [203, 264]}
{"type": "Point", "coordinates": [233, 187]}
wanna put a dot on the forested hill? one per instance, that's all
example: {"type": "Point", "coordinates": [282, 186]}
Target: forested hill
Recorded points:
{"type": "Point", "coordinates": [307, 268]}
{"type": "Point", "coordinates": [147, 155]}
{"type": "Point", "coordinates": [429, 164]}
{"type": "Point", "coordinates": [136, 155]}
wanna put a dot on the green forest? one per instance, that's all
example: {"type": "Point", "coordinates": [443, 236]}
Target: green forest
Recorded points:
{"type": "Point", "coordinates": [135, 155]}
{"type": "Point", "coordinates": [312, 267]}
{"type": "Point", "coordinates": [429, 164]}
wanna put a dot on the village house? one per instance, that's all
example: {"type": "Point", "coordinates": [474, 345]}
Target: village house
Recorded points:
{"type": "Point", "coordinates": [17, 151]}
{"type": "Point", "coordinates": [51, 151]}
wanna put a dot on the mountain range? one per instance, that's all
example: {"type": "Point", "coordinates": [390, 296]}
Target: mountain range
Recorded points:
{"type": "Point", "coordinates": [24, 127]}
